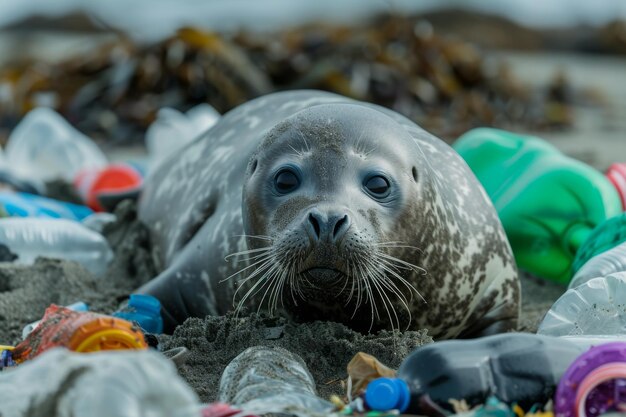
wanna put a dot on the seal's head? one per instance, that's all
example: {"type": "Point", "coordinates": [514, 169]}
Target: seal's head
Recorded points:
{"type": "Point", "coordinates": [329, 205]}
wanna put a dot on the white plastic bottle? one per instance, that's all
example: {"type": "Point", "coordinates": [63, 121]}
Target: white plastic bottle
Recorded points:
{"type": "Point", "coordinates": [45, 147]}
{"type": "Point", "coordinates": [30, 238]}
{"type": "Point", "coordinates": [264, 380]}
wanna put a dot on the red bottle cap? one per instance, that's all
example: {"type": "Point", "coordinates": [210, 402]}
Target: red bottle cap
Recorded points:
{"type": "Point", "coordinates": [114, 178]}
{"type": "Point", "coordinates": [617, 175]}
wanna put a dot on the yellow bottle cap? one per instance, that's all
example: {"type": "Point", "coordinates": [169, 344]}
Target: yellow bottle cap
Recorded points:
{"type": "Point", "coordinates": [6, 347]}
{"type": "Point", "coordinates": [107, 333]}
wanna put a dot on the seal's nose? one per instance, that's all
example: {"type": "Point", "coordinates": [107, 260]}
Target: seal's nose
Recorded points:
{"type": "Point", "coordinates": [329, 227]}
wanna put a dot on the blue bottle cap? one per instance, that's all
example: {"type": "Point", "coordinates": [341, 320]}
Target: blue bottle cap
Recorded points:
{"type": "Point", "coordinates": [144, 310]}
{"type": "Point", "coordinates": [385, 394]}
{"type": "Point", "coordinates": [145, 303]}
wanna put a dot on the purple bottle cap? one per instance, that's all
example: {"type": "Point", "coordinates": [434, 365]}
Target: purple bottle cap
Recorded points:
{"type": "Point", "coordinates": [594, 384]}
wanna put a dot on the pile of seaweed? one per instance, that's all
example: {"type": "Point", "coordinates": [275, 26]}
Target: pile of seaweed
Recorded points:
{"type": "Point", "coordinates": [445, 84]}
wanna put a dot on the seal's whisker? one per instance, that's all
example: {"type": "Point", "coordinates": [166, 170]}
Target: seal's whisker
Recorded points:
{"type": "Point", "coordinates": [298, 153]}
{"type": "Point", "coordinates": [386, 303]}
{"type": "Point", "coordinates": [249, 251]}
{"type": "Point", "coordinates": [262, 237]}
{"type": "Point", "coordinates": [389, 284]}
{"type": "Point", "coordinates": [269, 281]}
{"type": "Point", "coordinates": [403, 281]}
{"type": "Point", "coordinates": [401, 262]}
{"type": "Point", "coordinates": [308, 148]}
{"type": "Point", "coordinates": [384, 263]}
{"type": "Point", "coordinates": [261, 281]}
{"type": "Point", "coordinates": [252, 258]}
{"type": "Point", "coordinates": [370, 296]}
{"type": "Point", "coordinates": [259, 270]}
{"type": "Point", "coordinates": [399, 245]}
{"type": "Point", "coordinates": [268, 256]}
{"type": "Point", "coordinates": [393, 269]}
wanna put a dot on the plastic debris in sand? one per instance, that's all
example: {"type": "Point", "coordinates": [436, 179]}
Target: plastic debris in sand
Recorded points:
{"type": "Point", "coordinates": [30, 238]}
{"type": "Point", "coordinates": [264, 380]}
{"type": "Point", "coordinates": [45, 147]}
{"type": "Point", "coordinates": [80, 332]}
{"type": "Point", "coordinates": [103, 384]}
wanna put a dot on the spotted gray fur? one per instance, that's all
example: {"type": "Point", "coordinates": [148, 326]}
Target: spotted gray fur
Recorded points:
{"type": "Point", "coordinates": [195, 205]}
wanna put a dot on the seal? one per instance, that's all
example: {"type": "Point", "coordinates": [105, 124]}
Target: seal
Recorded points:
{"type": "Point", "coordinates": [319, 207]}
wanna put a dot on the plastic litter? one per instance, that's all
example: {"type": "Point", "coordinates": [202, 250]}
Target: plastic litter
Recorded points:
{"type": "Point", "coordinates": [596, 307]}
{"type": "Point", "coordinates": [594, 384]}
{"type": "Point", "coordinates": [45, 147]}
{"type": "Point", "coordinates": [79, 306]}
{"type": "Point", "coordinates": [31, 238]}
{"type": "Point", "coordinates": [80, 332]}
{"type": "Point", "coordinates": [172, 130]}
{"type": "Point", "coordinates": [548, 203]}
{"type": "Point", "coordinates": [492, 408]}
{"type": "Point", "coordinates": [103, 384]}
{"type": "Point", "coordinates": [18, 184]}
{"type": "Point", "coordinates": [603, 253]}
{"type": "Point", "coordinates": [98, 221]}
{"type": "Point", "coordinates": [363, 369]}
{"type": "Point", "coordinates": [144, 310]}
{"type": "Point", "coordinates": [616, 173]}
{"type": "Point", "coordinates": [222, 410]}
{"type": "Point", "coordinates": [517, 367]}
{"type": "Point", "coordinates": [114, 179]}
{"type": "Point", "coordinates": [29, 205]}
{"type": "Point", "coordinates": [264, 380]}
{"type": "Point", "coordinates": [6, 357]}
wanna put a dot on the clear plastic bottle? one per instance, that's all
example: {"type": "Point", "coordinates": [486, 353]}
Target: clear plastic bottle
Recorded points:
{"type": "Point", "coordinates": [613, 260]}
{"type": "Point", "coordinates": [595, 303]}
{"type": "Point", "coordinates": [265, 380]}
{"type": "Point", "coordinates": [45, 147]}
{"type": "Point", "coordinates": [30, 238]}
{"type": "Point", "coordinates": [594, 308]}
{"type": "Point", "coordinates": [516, 367]}
{"type": "Point", "coordinates": [172, 130]}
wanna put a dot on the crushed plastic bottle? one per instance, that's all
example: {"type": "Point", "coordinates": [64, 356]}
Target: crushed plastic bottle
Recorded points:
{"type": "Point", "coordinates": [594, 304]}
{"type": "Point", "coordinates": [596, 307]}
{"type": "Point", "coordinates": [172, 130]}
{"type": "Point", "coordinates": [28, 205]}
{"type": "Point", "coordinates": [101, 384]}
{"type": "Point", "coordinates": [28, 329]}
{"type": "Point", "coordinates": [31, 238]}
{"type": "Point", "coordinates": [45, 147]}
{"type": "Point", "coordinates": [603, 253]}
{"type": "Point", "coordinates": [264, 380]}
{"type": "Point", "coordinates": [80, 331]}
{"type": "Point", "coordinates": [517, 367]}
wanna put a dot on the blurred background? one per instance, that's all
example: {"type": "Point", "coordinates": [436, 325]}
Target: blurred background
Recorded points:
{"type": "Point", "coordinates": [555, 68]}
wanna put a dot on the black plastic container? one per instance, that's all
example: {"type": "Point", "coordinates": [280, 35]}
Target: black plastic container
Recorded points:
{"type": "Point", "coordinates": [516, 367]}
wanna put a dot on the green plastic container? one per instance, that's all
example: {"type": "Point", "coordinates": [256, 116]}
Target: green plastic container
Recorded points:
{"type": "Point", "coordinates": [548, 203]}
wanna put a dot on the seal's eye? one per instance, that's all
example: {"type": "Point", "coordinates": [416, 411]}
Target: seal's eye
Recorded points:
{"type": "Point", "coordinates": [377, 186]}
{"type": "Point", "coordinates": [286, 181]}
